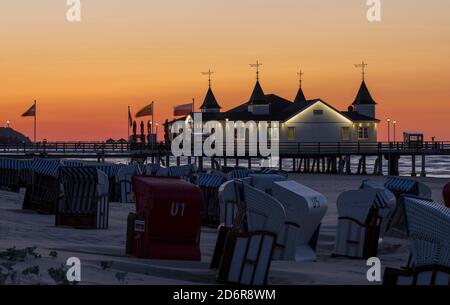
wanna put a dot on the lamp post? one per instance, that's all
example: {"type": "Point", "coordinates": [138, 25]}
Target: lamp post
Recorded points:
{"type": "Point", "coordinates": [151, 127]}
{"type": "Point", "coordinates": [7, 124]}
{"type": "Point", "coordinates": [156, 134]}
{"type": "Point", "coordinates": [395, 133]}
{"type": "Point", "coordinates": [389, 130]}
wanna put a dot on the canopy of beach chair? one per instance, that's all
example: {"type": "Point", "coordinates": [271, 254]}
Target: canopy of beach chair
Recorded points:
{"type": "Point", "coordinates": [428, 224]}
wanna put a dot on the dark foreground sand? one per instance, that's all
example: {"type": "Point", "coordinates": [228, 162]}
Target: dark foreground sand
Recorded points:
{"type": "Point", "coordinates": [24, 229]}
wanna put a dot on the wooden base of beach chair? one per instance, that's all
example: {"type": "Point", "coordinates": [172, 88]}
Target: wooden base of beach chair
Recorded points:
{"type": "Point", "coordinates": [426, 275]}
{"type": "Point", "coordinates": [246, 258]}
{"type": "Point", "coordinates": [77, 221]}
{"type": "Point", "coordinates": [220, 246]}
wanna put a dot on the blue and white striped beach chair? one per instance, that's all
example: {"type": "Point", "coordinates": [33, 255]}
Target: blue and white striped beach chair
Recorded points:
{"type": "Point", "coordinates": [401, 187]}
{"type": "Point", "coordinates": [111, 170]}
{"type": "Point", "coordinates": [85, 201]}
{"type": "Point", "coordinates": [428, 225]}
{"type": "Point", "coordinates": [43, 193]}
{"type": "Point", "coordinates": [362, 217]}
{"type": "Point", "coordinates": [183, 171]}
{"type": "Point", "coordinates": [209, 184]}
{"type": "Point", "coordinates": [123, 177]}
{"type": "Point", "coordinates": [11, 173]}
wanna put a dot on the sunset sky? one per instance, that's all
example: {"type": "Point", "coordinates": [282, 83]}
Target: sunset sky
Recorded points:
{"type": "Point", "coordinates": [84, 75]}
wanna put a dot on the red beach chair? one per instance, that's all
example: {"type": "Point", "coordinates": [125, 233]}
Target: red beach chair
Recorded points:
{"type": "Point", "coordinates": [167, 220]}
{"type": "Point", "coordinates": [447, 195]}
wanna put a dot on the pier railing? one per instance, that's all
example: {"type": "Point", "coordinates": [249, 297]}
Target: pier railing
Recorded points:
{"type": "Point", "coordinates": [286, 148]}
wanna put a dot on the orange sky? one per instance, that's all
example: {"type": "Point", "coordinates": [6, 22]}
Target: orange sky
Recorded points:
{"type": "Point", "coordinates": [84, 75]}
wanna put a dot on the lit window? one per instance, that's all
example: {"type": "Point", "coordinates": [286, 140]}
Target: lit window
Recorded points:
{"type": "Point", "coordinates": [291, 134]}
{"type": "Point", "coordinates": [363, 133]}
{"type": "Point", "coordinates": [318, 112]}
{"type": "Point", "coordinates": [345, 133]}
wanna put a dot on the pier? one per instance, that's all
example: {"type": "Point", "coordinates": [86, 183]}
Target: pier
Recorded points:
{"type": "Point", "coordinates": [330, 158]}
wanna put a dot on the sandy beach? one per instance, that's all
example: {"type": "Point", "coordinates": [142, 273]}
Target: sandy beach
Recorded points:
{"type": "Point", "coordinates": [94, 248]}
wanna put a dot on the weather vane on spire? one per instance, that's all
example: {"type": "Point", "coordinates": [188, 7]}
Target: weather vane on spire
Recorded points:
{"type": "Point", "coordinates": [300, 74]}
{"type": "Point", "coordinates": [209, 73]}
{"type": "Point", "coordinates": [363, 66]}
{"type": "Point", "coordinates": [257, 65]}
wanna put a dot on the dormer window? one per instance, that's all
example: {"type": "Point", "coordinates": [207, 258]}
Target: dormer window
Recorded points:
{"type": "Point", "coordinates": [318, 112]}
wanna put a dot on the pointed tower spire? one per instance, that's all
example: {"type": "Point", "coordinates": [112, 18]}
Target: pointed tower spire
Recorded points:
{"type": "Point", "coordinates": [258, 97]}
{"type": "Point", "coordinates": [210, 103]}
{"type": "Point", "coordinates": [364, 103]}
{"type": "Point", "coordinates": [300, 98]}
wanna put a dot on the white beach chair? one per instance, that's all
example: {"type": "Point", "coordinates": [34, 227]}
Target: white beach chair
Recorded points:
{"type": "Point", "coordinates": [123, 179]}
{"type": "Point", "coordinates": [85, 203]}
{"type": "Point", "coordinates": [266, 213]}
{"type": "Point", "coordinates": [428, 225]}
{"type": "Point", "coordinates": [361, 214]}
{"type": "Point", "coordinates": [264, 182]}
{"type": "Point", "coordinates": [247, 258]}
{"type": "Point", "coordinates": [305, 209]}
{"type": "Point", "coordinates": [228, 203]}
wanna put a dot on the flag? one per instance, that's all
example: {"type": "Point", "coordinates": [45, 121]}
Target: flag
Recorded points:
{"type": "Point", "coordinates": [185, 109]}
{"type": "Point", "coordinates": [31, 111]}
{"type": "Point", "coordinates": [130, 118]}
{"type": "Point", "coordinates": [146, 111]}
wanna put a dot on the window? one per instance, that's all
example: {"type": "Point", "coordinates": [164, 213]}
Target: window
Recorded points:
{"type": "Point", "coordinates": [363, 133]}
{"type": "Point", "coordinates": [345, 133]}
{"type": "Point", "coordinates": [291, 134]}
{"type": "Point", "coordinates": [318, 112]}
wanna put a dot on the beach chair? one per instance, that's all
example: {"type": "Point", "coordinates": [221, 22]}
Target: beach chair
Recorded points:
{"type": "Point", "coordinates": [361, 216]}
{"type": "Point", "coordinates": [385, 196]}
{"type": "Point", "coordinates": [247, 258]}
{"type": "Point", "coordinates": [446, 195]}
{"type": "Point", "coordinates": [184, 172]}
{"type": "Point", "coordinates": [429, 239]}
{"type": "Point", "coordinates": [152, 169]}
{"type": "Point", "coordinates": [210, 184]}
{"type": "Point", "coordinates": [265, 213]}
{"type": "Point", "coordinates": [85, 203]}
{"type": "Point", "coordinates": [10, 174]}
{"type": "Point", "coordinates": [228, 206]}
{"type": "Point", "coordinates": [239, 173]}
{"type": "Point", "coordinates": [43, 194]}
{"type": "Point", "coordinates": [167, 222]}
{"type": "Point", "coordinates": [123, 179]}
{"type": "Point", "coordinates": [111, 170]}
{"type": "Point", "coordinates": [305, 209]}
{"type": "Point", "coordinates": [427, 275]}
{"type": "Point", "coordinates": [399, 187]}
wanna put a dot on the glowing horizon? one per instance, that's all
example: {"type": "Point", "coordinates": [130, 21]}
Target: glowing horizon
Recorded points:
{"type": "Point", "coordinates": [84, 76]}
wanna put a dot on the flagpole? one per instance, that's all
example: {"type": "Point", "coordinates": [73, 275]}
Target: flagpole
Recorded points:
{"type": "Point", "coordinates": [128, 122]}
{"type": "Point", "coordinates": [35, 115]}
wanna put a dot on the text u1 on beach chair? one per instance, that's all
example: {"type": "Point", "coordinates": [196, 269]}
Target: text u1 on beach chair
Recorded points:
{"type": "Point", "coordinates": [43, 194]}
{"type": "Point", "coordinates": [428, 227]}
{"type": "Point", "coordinates": [362, 214]}
{"type": "Point", "coordinates": [85, 202]}
{"type": "Point", "coordinates": [400, 187]}
{"type": "Point", "coordinates": [209, 185]}
{"type": "Point", "coordinates": [167, 221]}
